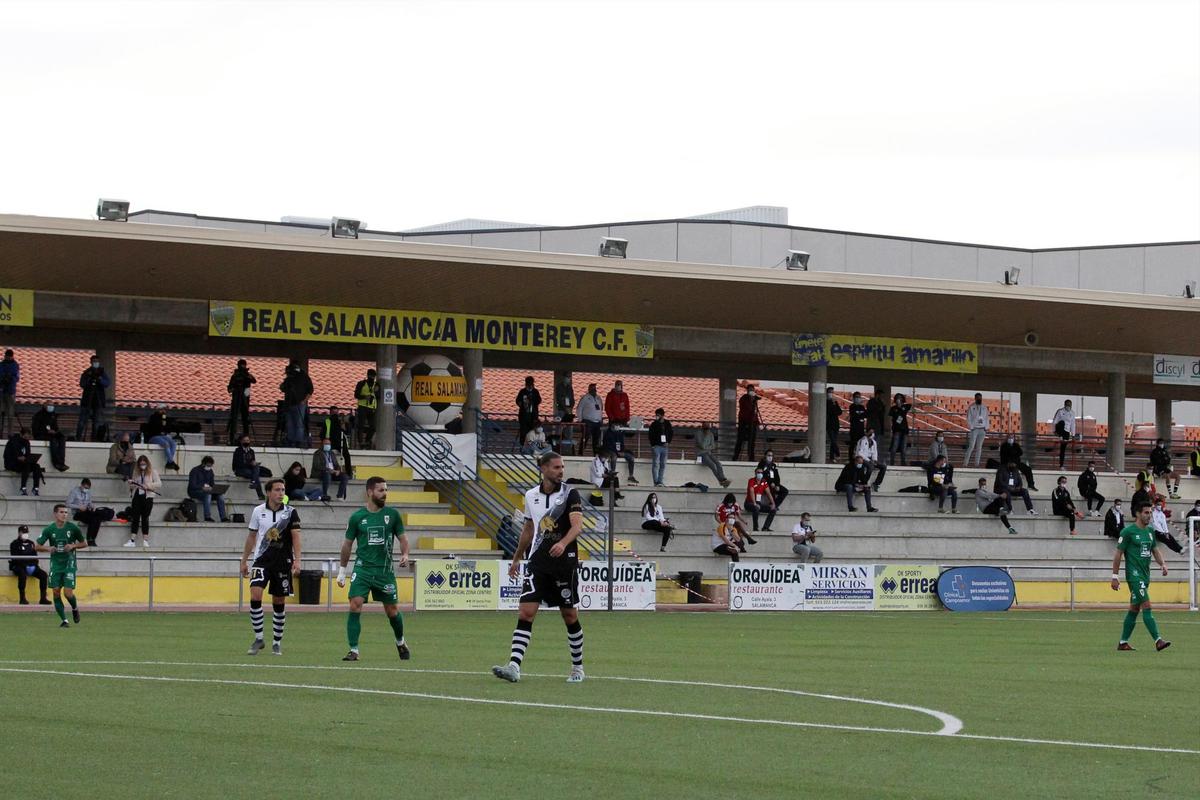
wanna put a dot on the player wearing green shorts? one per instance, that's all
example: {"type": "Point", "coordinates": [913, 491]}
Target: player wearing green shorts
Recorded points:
{"type": "Point", "coordinates": [373, 528]}
{"type": "Point", "coordinates": [1137, 544]}
{"type": "Point", "coordinates": [61, 540]}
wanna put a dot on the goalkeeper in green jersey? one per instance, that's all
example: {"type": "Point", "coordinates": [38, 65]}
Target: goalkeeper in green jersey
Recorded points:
{"type": "Point", "coordinates": [1137, 544]}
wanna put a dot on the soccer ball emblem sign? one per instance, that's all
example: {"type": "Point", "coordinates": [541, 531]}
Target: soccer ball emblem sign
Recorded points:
{"type": "Point", "coordinates": [431, 390]}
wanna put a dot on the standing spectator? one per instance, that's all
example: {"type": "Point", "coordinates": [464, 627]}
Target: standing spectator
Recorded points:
{"type": "Point", "coordinates": [868, 448]}
{"type": "Point", "coordinates": [1087, 489]}
{"type": "Point", "coordinates": [121, 457]}
{"type": "Point", "coordinates": [293, 484]}
{"type": "Point", "coordinates": [1064, 429]}
{"type": "Point", "coordinates": [528, 401]}
{"type": "Point", "coordinates": [941, 485]}
{"type": "Point", "coordinates": [10, 376]}
{"type": "Point", "coordinates": [1160, 464]}
{"type": "Point", "coordinates": [992, 504]}
{"type": "Point", "coordinates": [565, 400]}
{"type": "Point", "coordinates": [616, 405]}
{"type": "Point", "coordinates": [535, 442]}
{"type": "Point", "coordinates": [326, 468]}
{"type": "Point", "coordinates": [977, 425]}
{"type": "Point", "coordinates": [1010, 451]}
{"type": "Point", "coordinates": [336, 428]}
{"type": "Point", "coordinates": [245, 465]}
{"type": "Point", "coordinates": [1114, 520]}
{"type": "Point", "coordinates": [877, 412]}
{"type": "Point", "coordinates": [156, 433]}
{"type": "Point", "coordinates": [93, 381]}
{"type": "Point", "coordinates": [759, 499]}
{"type": "Point", "coordinates": [899, 414]}
{"type": "Point", "coordinates": [1061, 504]}
{"type": "Point", "coordinates": [79, 501]}
{"type": "Point", "coordinates": [20, 459]}
{"type": "Point", "coordinates": [833, 410]}
{"type": "Point", "coordinates": [200, 487]}
{"type": "Point", "coordinates": [614, 442]}
{"type": "Point", "coordinates": [937, 448]}
{"type": "Point", "coordinates": [748, 422]}
{"type": "Point", "coordinates": [857, 415]}
{"type": "Point", "coordinates": [45, 428]}
{"type": "Point", "coordinates": [25, 565]}
{"type": "Point", "coordinates": [297, 389]}
{"type": "Point", "coordinates": [855, 479]}
{"type": "Point", "coordinates": [590, 412]}
{"type": "Point", "coordinates": [730, 536]}
{"type": "Point", "coordinates": [143, 486]}
{"type": "Point", "coordinates": [660, 439]}
{"type": "Point", "coordinates": [770, 471]}
{"type": "Point", "coordinates": [706, 451]}
{"type": "Point", "coordinates": [366, 398]}
{"type": "Point", "coordinates": [239, 400]}
{"type": "Point", "coordinates": [1008, 481]}
{"type": "Point", "coordinates": [655, 519]}
{"type": "Point", "coordinates": [803, 537]}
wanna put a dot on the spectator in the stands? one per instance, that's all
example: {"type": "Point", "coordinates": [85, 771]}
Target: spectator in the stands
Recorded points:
{"type": "Point", "coordinates": [326, 468]}
{"type": "Point", "coordinates": [1143, 488]}
{"type": "Point", "coordinates": [1062, 505]}
{"type": "Point", "coordinates": [833, 410]}
{"type": "Point", "coordinates": [239, 400]}
{"type": "Point", "coordinates": [899, 414]}
{"type": "Point", "coordinates": [855, 479]}
{"type": "Point", "coordinates": [45, 428]}
{"type": "Point", "coordinates": [1194, 511]}
{"type": "Point", "coordinates": [706, 451]}
{"type": "Point", "coordinates": [868, 448]}
{"type": "Point", "coordinates": [10, 376]}
{"type": "Point", "coordinates": [336, 428]}
{"type": "Point", "coordinates": [759, 500]}
{"type": "Point", "coordinates": [26, 566]}
{"type": "Point", "coordinates": [79, 500]}
{"type": "Point", "coordinates": [660, 434]}
{"type": "Point", "coordinates": [143, 488]}
{"type": "Point", "coordinates": [157, 433]}
{"type": "Point", "coordinates": [992, 504]}
{"type": "Point", "coordinates": [121, 457]}
{"type": "Point", "coordinates": [1087, 489]}
{"type": "Point", "coordinates": [93, 382]}
{"type": "Point", "coordinates": [1159, 516]}
{"type": "Point", "coordinates": [616, 405]}
{"type": "Point", "coordinates": [19, 458]}
{"type": "Point", "coordinates": [564, 400]}
{"type": "Point", "coordinates": [940, 480]}
{"type": "Point", "coordinates": [297, 389]}
{"type": "Point", "coordinates": [877, 412]}
{"type": "Point", "coordinates": [1114, 520]}
{"type": "Point", "coordinates": [1064, 429]}
{"type": "Point", "coordinates": [245, 465]}
{"type": "Point", "coordinates": [201, 486]}
{"type": "Point", "coordinates": [748, 422]}
{"type": "Point", "coordinates": [730, 536]}
{"type": "Point", "coordinates": [604, 472]}
{"type": "Point", "coordinates": [977, 426]}
{"type": "Point", "coordinates": [1010, 451]}
{"type": "Point", "coordinates": [803, 537]}
{"type": "Point", "coordinates": [655, 519]}
{"type": "Point", "coordinates": [857, 415]}
{"type": "Point", "coordinates": [366, 399]}
{"type": "Point", "coordinates": [770, 471]}
{"type": "Point", "coordinates": [535, 442]}
{"type": "Point", "coordinates": [1008, 481]}
{"type": "Point", "coordinates": [529, 399]}
{"type": "Point", "coordinates": [590, 412]}
{"type": "Point", "coordinates": [1160, 463]}
{"type": "Point", "coordinates": [293, 484]}
{"type": "Point", "coordinates": [614, 441]}
{"type": "Point", "coordinates": [937, 447]}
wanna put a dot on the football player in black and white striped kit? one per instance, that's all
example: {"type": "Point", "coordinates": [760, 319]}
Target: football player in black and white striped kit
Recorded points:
{"type": "Point", "coordinates": [270, 558]}
{"type": "Point", "coordinates": [553, 521]}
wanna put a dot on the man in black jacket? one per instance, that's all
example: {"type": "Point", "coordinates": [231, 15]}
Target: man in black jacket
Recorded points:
{"type": "Point", "coordinates": [92, 382]}
{"type": "Point", "coordinates": [770, 471]}
{"type": "Point", "coordinates": [855, 479]}
{"type": "Point", "coordinates": [245, 465]}
{"type": "Point", "coordinates": [833, 410]}
{"type": "Point", "coordinates": [336, 429]}
{"type": "Point", "coordinates": [857, 415]}
{"type": "Point", "coordinates": [19, 458]}
{"type": "Point", "coordinates": [528, 401]}
{"type": "Point", "coordinates": [1114, 520]}
{"type": "Point", "coordinates": [877, 412]}
{"type": "Point", "coordinates": [1008, 479]}
{"type": "Point", "coordinates": [45, 428]}
{"type": "Point", "coordinates": [940, 480]}
{"type": "Point", "coordinates": [1160, 465]}
{"type": "Point", "coordinates": [27, 567]}
{"type": "Point", "coordinates": [660, 434]}
{"type": "Point", "coordinates": [297, 388]}
{"type": "Point", "coordinates": [1087, 489]}
{"type": "Point", "coordinates": [1011, 452]}
{"type": "Point", "coordinates": [239, 399]}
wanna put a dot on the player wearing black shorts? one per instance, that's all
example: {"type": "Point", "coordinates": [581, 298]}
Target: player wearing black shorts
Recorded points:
{"type": "Point", "coordinates": [270, 558]}
{"type": "Point", "coordinates": [553, 521]}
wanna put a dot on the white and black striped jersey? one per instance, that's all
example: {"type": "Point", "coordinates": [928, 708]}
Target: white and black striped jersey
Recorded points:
{"type": "Point", "coordinates": [550, 514]}
{"type": "Point", "coordinates": [273, 547]}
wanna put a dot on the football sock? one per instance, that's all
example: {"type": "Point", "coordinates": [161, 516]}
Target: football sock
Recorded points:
{"type": "Point", "coordinates": [73, 602]}
{"type": "Point", "coordinates": [277, 620]}
{"type": "Point", "coordinates": [353, 628]}
{"type": "Point", "coordinates": [520, 641]}
{"type": "Point", "coordinates": [397, 627]}
{"type": "Point", "coordinates": [575, 641]}
{"type": "Point", "coordinates": [1151, 625]}
{"type": "Point", "coordinates": [1130, 622]}
{"type": "Point", "coordinates": [60, 609]}
{"type": "Point", "coordinates": [256, 618]}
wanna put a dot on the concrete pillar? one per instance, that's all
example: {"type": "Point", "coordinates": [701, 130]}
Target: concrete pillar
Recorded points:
{"type": "Point", "coordinates": [1162, 418]}
{"type": "Point", "coordinates": [1116, 421]}
{"type": "Point", "coordinates": [473, 372]}
{"type": "Point", "coordinates": [818, 377]}
{"type": "Point", "coordinates": [727, 419]}
{"type": "Point", "coordinates": [564, 393]}
{"type": "Point", "coordinates": [1029, 420]}
{"type": "Point", "coordinates": [385, 412]}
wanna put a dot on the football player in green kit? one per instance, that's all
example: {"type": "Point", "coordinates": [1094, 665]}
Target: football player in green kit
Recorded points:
{"type": "Point", "coordinates": [61, 539]}
{"type": "Point", "coordinates": [1137, 544]}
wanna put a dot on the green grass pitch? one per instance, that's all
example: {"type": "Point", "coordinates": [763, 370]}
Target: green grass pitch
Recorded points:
{"type": "Point", "coordinates": [270, 726]}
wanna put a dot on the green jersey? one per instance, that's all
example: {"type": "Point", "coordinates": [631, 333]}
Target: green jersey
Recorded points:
{"type": "Point", "coordinates": [374, 531]}
{"type": "Point", "coordinates": [61, 560]}
{"type": "Point", "coordinates": [1137, 544]}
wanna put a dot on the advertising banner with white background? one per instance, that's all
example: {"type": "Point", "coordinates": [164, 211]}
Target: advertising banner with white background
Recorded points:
{"type": "Point", "coordinates": [634, 586]}
{"type": "Point", "coordinates": [766, 586]}
{"type": "Point", "coordinates": [1180, 370]}
{"type": "Point", "coordinates": [839, 587]}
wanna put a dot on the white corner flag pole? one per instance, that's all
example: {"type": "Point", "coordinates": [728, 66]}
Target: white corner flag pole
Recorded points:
{"type": "Point", "coordinates": [1192, 523]}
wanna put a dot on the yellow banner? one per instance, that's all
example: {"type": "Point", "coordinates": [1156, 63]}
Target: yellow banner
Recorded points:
{"type": "Point", "coordinates": [459, 585]}
{"type": "Point", "coordinates": [924, 355]}
{"type": "Point", "coordinates": [438, 389]}
{"type": "Point", "coordinates": [904, 587]}
{"type": "Point", "coordinates": [473, 331]}
{"type": "Point", "coordinates": [16, 307]}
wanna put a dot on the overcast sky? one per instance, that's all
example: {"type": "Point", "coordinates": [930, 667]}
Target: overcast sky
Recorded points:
{"type": "Point", "coordinates": [1035, 124]}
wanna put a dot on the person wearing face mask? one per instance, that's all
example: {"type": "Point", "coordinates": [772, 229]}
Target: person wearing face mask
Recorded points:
{"type": "Point", "coordinates": [1160, 464]}
{"type": "Point", "coordinates": [992, 504]}
{"type": "Point", "coordinates": [590, 412]}
{"type": "Point", "coordinates": [614, 442]}
{"type": "Point", "coordinates": [25, 565]}
{"type": "Point", "coordinates": [19, 458]}
{"type": "Point", "coordinates": [1010, 451]}
{"type": "Point", "coordinates": [201, 483]}
{"type": "Point", "coordinates": [529, 399]}
{"type": "Point", "coordinates": [1087, 489]}
{"type": "Point", "coordinates": [1008, 481]}
{"type": "Point", "coordinates": [1159, 516]}
{"type": "Point", "coordinates": [144, 486]}
{"type": "Point", "coordinates": [655, 519]}
{"type": "Point", "coordinates": [239, 399]}
{"type": "Point", "coordinates": [937, 449]}
{"type": "Point", "coordinates": [759, 499]}
{"type": "Point", "coordinates": [706, 452]}
{"type": "Point", "coordinates": [535, 442]}
{"type": "Point", "coordinates": [157, 433]}
{"type": "Point", "coordinates": [857, 415]}
{"type": "Point", "coordinates": [336, 428]}
{"type": "Point", "coordinates": [1064, 429]}
{"type": "Point", "coordinates": [326, 468]}
{"type": "Point", "coordinates": [297, 389]}
{"type": "Point", "coordinates": [977, 425]}
{"type": "Point", "coordinates": [869, 450]}
{"type": "Point", "coordinates": [770, 471]}
{"type": "Point", "coordinates": [1114, 520]}
{"type": "Point", "coordinates": [616, 405]}
{"type": "Point", "coordinates": [245, 465]}
{"type": "Point", "coordinates": [45, 428]}
{"type": "Point", "coordinates": [1061, 504]}
{"type": "Point", "coordinates": [93, 382]}
{"type": "Point", "coordinates": [660, 434]}
{"type": "Point", "coordinates": [748, 423]}
{"type": "Point", "coordinates": [854, 479]}
{"type": "Point", "coordinates": [899, 414]}
{"type": "Point", "coordinates": [10, 376]}
{"type": "Point", "coordinates": [121, 457]}
{"type": "Point", "coordinates": [833, 411]}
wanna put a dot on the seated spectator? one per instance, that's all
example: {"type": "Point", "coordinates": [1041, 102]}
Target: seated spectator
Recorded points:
{"type": "Point", "coordinates": [1114, 520]}
{"type": "Point", "coordinates": [245, 465]}
{"type": "Point", "coordinates": [729, 537]}
{"type": "Point", "coordinates": [996, 505]}
{"type": "Point", "coordinates": [535, 443]}
{"type": "Point", "coordinates": [1061, 504]}
{"type": "Point", "coordinates": [26, 566]}
{"type": "Point", "coordinates": [79, 501]}
{"type": "Point", "coordinates": [336, 428]}
{"type": "Point", "coordinates": [868, 448]}
{"type": "Point", "coordinates": [706, 451]}
{"type": "Point", "coordinates": [45, 428]}
{"type": "Point", "coordinates": [326, 468]}
{"type": "Point", "coordinates": [940, 479]}
{"type": "Point", "coordinates": [1008, 481]}
{"type": "Point", "coordinates": [614, 441]}
{"type": "Point", "coordinates": [1144, 488]}
{"type": "Point", "coordinates": [604, 473]}
{"type": "Point", "coordinates": [1011, 451]}
{"type": "Point", "coordinates": [121, 457]}
{"type": "Point", "coordinates": [1158, 523]}
{"type": "Point", "coordinates": [855, 479]}
{"type": "Point", "coordinates": [937, 448]}
{"type": "Point", "coordinates": [655, 519]}
{"type": "Point", "coordinates": [144, 485]}
{"type": "Point", "coordinates": [1160, 464]}
{"type": "Point", "coordinates": [1087, 489]}
{"type": "Point", "coordinates": [293, 483]}
{"type": "Point", "coordinates": [803, 537]}
{"type": "Point", "coordinates": [770, 471]}
{"type": "Point", "coordinates": [156, 433]}
{"type": "Point", "coordinates": [1194, 511]}
{"type": "Point", "coordinates": [759, 499]}
{"type": "Point", "coordinates": [19, 458]}
{"type": "Point", "coordinates": [200, 487]}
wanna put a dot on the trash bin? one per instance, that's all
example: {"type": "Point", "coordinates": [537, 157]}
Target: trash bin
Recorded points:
{"type": "Point", "coordinates": [691, 582]}
{"type": "Point", "coordinates": [310, 587]}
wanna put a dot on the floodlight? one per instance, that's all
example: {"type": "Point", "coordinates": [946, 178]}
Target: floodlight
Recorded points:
{"type": "Point", "coordinates": [1012, 276]}
{"type": "Point", "coordinates": [611, 247]}
{"type": "Point", "coordinates": [343, 228]}
{"type": "Point", "coordinates": [797, 259]}
{"type": "Point", "coordinates": [112, 210]}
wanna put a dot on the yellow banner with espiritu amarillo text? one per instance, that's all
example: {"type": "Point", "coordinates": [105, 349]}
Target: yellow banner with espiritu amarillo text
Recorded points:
{"type": "Point", "coordinates": [16, 307]}
{"type": "Point", "coordinates": [876, 352]}
{"type": "Point", "coordinates": [432, 328]}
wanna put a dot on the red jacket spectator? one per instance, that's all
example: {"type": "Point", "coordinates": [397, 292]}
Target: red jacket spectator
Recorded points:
{"type": "Point", "coordinates": [616, 405]}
